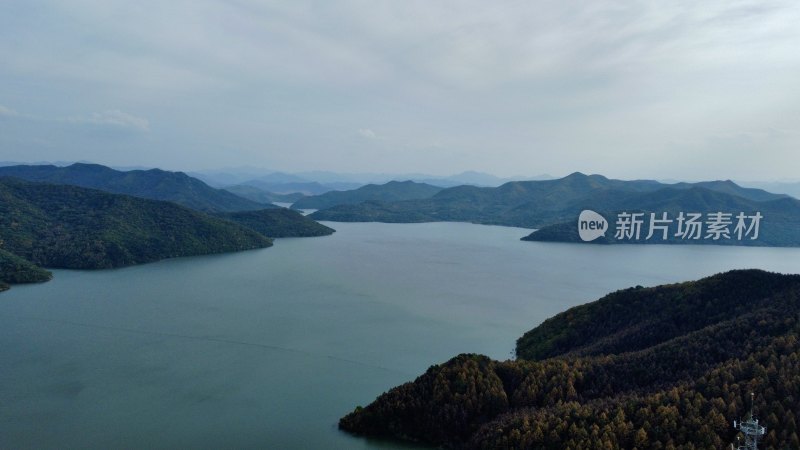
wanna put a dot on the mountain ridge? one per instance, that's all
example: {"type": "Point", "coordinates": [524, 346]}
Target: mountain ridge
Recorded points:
{"type": "Point", "coordinates": [154, 184]}
{"type": "Point", "coordinates": [669, 366]}
{"type": "Point", "coordinates": [390, 191]}
{"type": "Point", "coordinates": [780, 225]}
{"type": "Point", "coordinates": [259, 195]}
{"type": "Point", "coordinates": [63, 226]}
{"type": "Point", "coordinates": [527, 204]}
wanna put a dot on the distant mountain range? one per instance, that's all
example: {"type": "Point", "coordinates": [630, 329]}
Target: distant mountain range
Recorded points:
{"type": "Point", "coordinates": [729, 187]}
{"type": "Point", "coordinates": [153, 184]}
{"type": "Point", "coordinates": [468, 177]}
{"type": "Point", "coordinates": [536, 204]}
{"type": "Point", "coordinates": [342, 181]}
{"type": "Point", "coordinates": [263, 196]}
{"type": "Point", "coordinates": [785, 187]}
{"type": "Point", "coordinates": [273, 183]}
{"type": "Point", "coordinates": [302, 187]}
{"type": "Point", "coordinates": [231, 177]}
{"type": "Point", "coordinates": [517, 203]}
{"type": "Point", "coordinates": [391, 191]}
{"type": "Point", "coordinates": [650, 368]}
{"type": "Point", "coordinates": [223, 178]}
{"type": "Point", "coordinates": [780, 225]}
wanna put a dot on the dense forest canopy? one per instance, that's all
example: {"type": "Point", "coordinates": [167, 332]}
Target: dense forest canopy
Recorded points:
{"type": "Point", "coordinates": [278, 223]}
{"type": "Point", "coordinates": [71, 227]}
{"type": "Point", "coordinates": [14, 269]}
{"type": "Point", "coordinates": [67, 226]}
{"type": "Point", "coordinates": [668, 367]}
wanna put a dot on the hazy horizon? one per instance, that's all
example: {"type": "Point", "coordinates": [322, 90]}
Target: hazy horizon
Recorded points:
{"type": "Point", "coordinates": [327, 176]}
{"type": "Point", "coordinates": [686, 91]}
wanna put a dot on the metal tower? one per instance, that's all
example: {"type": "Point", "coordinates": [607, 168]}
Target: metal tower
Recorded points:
{"type": "Point", "coordinates": [751, 430]}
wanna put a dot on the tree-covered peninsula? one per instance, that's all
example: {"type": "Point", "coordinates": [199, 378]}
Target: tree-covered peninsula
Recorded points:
{"type": "Point", "coordinates": [16, 270]}
{"type": "Point", "coordinates": [667, 367]}
{"type": "Point", "coordinates": [62, 226]}
{"type": "Point", "coordinates": [278, 223]}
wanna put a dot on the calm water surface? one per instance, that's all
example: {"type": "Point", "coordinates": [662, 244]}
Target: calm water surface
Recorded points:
{"type": "Point", "coordinates": [268, 348]}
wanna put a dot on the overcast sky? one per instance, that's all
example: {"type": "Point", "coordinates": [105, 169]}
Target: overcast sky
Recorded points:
{"type": "Point", "coordinates": [630, 89]}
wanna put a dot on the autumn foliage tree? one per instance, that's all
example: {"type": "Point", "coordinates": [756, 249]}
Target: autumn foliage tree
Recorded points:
{"type": "Point", "coordinates": [668, 367]}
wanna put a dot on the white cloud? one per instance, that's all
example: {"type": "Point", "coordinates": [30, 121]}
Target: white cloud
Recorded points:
{"type": "Point", "coordinates": [502, 85]}
{"type": "Point", "coordinates": [115, 118]}
{"type": "Point", "coordinates": [112, 117]}
{"type": "Point", "coordinates": [367, 133]}
{"type": "Point", "coordinates": [8, 112]}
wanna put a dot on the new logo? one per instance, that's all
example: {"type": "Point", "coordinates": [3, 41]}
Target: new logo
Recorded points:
{"type": "Point", "coordinates": [591, 225]}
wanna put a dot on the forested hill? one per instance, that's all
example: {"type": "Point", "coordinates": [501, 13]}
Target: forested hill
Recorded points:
{"type": "Point", "coordinates": [388, 192]}
{"type": "Point", "coordinates": [154, 184]}
{"type": "Point", "coordinates": [531, 204]}
{"type": "Point", "coordinates": [668, 367]}
{"type": "Point", "coordinates": [14, 269]}
{"type": "Point", "coordinates": [262, 196]}
{"type": "Point", "coordinates": [72, 227]}
{"type": "Point", "coordinates": [779, 226]}
{"type": "Point", "coordinates": [278, 223]}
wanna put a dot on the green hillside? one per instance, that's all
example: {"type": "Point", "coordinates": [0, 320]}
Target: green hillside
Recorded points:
{"type": "Point", "coordinates": [77, 228]}
{"type": "Point", "coordinates": [780, 225]}
{"type": "Point", "coordinates": [389, 192]}
{"type": "Point", "coordinates": [668, 367]}
{"type": "Point", "coordinates": [153, 184]}
{"type": "Point", "coordinates": [530, 204]}
{"type": "Point", "coordinates": [259, 195]}
{"type": "Point", "coordinates": [15, 270]}
{"type": "Point", "coordinates": [729, 187]}
{"type": "Point", "coordinates": [278, 223]}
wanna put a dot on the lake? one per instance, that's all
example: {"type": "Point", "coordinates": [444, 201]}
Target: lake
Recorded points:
{"type": "Point", "coordinates": [268, 348]}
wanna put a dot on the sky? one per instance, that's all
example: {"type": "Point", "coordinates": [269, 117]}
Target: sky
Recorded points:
{"type": "Point", "coordinates": [629, 89]}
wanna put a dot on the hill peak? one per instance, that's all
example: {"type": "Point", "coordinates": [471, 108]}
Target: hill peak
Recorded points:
{"type": "Point", "coordinates": [155, 184]}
